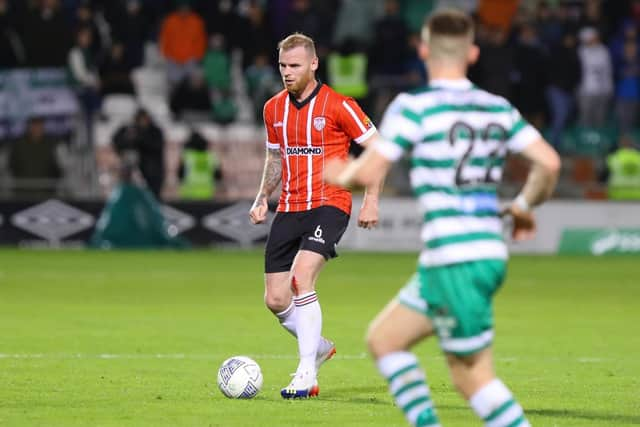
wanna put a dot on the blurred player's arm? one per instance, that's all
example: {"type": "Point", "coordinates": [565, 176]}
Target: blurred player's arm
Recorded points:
{"type": "Point", "coordinates": [369, 169]}
{"type": "Point", "coordinates": [368, 216]}
{"type": "Point", "coordinates": [543, 176]}
{"type": "Point", "coordinates": [271, 176]}
{"type": "Point", "coordinates": [539, 186]}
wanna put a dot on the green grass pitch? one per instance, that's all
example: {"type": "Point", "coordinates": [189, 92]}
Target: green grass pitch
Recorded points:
{"type": "Point", "coordinates": [136, 338]}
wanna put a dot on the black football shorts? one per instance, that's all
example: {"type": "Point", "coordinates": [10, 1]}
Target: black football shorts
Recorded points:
{"type": "Point", "coordinates": [318, 230]}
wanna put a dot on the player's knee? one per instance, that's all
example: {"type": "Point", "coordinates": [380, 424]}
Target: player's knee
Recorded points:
{"type": "Point", "coordinates": [277, 303]}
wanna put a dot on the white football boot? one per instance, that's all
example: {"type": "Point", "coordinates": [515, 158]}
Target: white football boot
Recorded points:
{"type": "Point", "coordinates": [302, 386]}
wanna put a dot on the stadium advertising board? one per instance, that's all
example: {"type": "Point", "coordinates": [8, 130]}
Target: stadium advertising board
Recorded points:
{"type": "Point", "coordinates": [62, 223]}
{"type": "Point", "coordinates": [43, 92]}
{"type": "Point", "coordinates": [596, 241]}
{"type": "Point", "coordinates": [597, 228]}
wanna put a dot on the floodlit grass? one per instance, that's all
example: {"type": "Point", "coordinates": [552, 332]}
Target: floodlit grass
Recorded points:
{"type": "Point", "coordinates": [136, 338]}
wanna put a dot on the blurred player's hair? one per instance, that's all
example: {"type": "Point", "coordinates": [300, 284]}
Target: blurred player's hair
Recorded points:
{"type": "Point", "coordinates": [297, 40]}
{"type": "Point", "coordinates": [448, 33]}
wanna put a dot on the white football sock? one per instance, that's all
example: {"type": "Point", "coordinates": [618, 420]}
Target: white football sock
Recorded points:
{"type": "Point", "coordinates": [288, 318]}
{"type": "Point", "coordinates": [309, 328]}
{"type": "Point", "coordinates": [495, 404]}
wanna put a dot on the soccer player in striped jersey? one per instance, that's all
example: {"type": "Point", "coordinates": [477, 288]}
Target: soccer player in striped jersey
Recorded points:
{"type": "Point", "coordinates": [307, 124]}
{"type": "Point", "coordinates": [458, 136]}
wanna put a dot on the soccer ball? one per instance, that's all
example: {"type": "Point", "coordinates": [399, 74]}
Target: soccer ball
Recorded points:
{"type": "Point", "coordinates": [239, 377]}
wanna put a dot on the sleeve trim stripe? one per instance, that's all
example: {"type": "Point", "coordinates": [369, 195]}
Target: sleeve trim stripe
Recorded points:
{"type": "Point", "coordinates": [365, 135]}
{"type": "Point", "coordinates": [272, 146]}
{"type": "Point", "coordinates": [354, 115]}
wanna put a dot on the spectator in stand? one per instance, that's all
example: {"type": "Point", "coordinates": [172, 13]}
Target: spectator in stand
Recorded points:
{"type": "Point", "coordinates": [416, 70]}
{"type": "Point", "coordinates": [624, 171]}
{"type": "Point", "coordinates": [388, 56]}
{"type": "Point", "coordinates": [199, 171]}
{"type": "Point", "coordinates": [627, 100]}
{"type": "Point", "coordinates": [592, 17]}
{"type": "Point", "coordinates": [33, 161]}
{"type": "Point", "coordinates": [498, 15]}
{"type": "Point", "coordinates": [347, 71]}
{"type": "Point", "coordinates": [494, 70]}
{"type": "Point", "coordinates": [627, 32]}
{"type": "Point", "coordinates": [190, 99]}
{"type": "Point", "coordinates": [132, 26]}
{"type": "Point", "coordinates": [221, 17]}
{"type": "Point", "coordinates": [563, 73]}
{"type": "Point", "coordinates": [84, 72]}
{"type": "Point", "coordinates": [549, 24]}
{"type": "Point", "coordinates": [306, 18]}
{"type": "Point", "coordinates": [415, 11]}
{"type": "Point", "coordinates": [46, 36]}
{"type": "Point", "coordinates": [217, 65]}
{"type": "Point", "coordinates": [530, 73]}
{"type": "Point", "coordinates": [389, 50]}
{"type": "Point", "coordinates": [255, 36]}
{"type": "Point", "coordinates": [262, 82]}
{"type": "Point", "coordinates": [115, 72]}
{"type": "Point", "coordinates": [596, 86]}
{"type": "Point", "coordinates": [12, 52]}
{"type": "Point", "coordinates": [85, 17]}
{"type": "Point", "coordinates": [183, 42]}
{"type": "Point", "coordinates": [217, 69]}
{"type": "Point", "coordinates": [145, 140]}
{"type": "Point", "coordinates": [355, 20]}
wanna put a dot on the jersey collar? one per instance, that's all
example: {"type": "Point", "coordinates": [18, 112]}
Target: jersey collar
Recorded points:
{"type": "Point", "coordinates": [305, 101]}
{"type": "Point", "coordinates": [451, 83]}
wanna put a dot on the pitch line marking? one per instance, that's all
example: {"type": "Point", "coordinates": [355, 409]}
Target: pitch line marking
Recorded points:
{"type": "Point", "coordinates": [184, 356]}
{"type": "Point", "coordinates": [109, 356]}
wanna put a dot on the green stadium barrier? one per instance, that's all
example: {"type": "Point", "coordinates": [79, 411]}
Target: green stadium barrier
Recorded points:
{"type": "Point", "coordinates": [599, 241]}
{"type": "Point", "coordinates": [589, 141]}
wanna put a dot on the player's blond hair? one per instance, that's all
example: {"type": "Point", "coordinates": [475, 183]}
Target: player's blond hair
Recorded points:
{"type": "Point", "coordinates": [448, 34]}
{"type": "Point", "coordinates": [297, 40]}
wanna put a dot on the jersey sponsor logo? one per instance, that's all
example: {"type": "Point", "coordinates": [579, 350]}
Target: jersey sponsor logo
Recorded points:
{"type": "Point", "coordinates": [319, 123]}
{"type": "Point", "coordinates": [304, 151]}
{"type": "Point", "coordinates": [317, 235]}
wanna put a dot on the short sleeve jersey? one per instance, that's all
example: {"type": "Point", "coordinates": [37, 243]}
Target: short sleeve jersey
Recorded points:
{"type": "Point", "coordinates": [458, 136]}
{"type": "Point", "coordinates": [309, 133]}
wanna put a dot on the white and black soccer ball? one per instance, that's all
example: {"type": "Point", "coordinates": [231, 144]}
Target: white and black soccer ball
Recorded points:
{"type": "Point", "coordinates": [239, 377]}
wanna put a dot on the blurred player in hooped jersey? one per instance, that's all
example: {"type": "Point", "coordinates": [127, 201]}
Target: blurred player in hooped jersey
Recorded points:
{"type": "Point", "coordinates": [307, 124]}
{"type": "Point", "coordinates": [458, 136]}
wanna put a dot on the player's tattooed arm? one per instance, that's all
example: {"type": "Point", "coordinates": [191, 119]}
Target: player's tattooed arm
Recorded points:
{"type": "Point", "coordinates": [271, 176]}
{"type": "Point", "coordinates": [272, 173]}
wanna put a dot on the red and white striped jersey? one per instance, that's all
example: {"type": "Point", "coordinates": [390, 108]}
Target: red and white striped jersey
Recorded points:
{"type": "Point", "coordinates": [308, 133]}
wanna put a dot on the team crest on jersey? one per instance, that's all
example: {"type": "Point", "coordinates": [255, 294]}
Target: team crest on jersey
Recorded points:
{"type": "Point", "coordinates": [319, 123]}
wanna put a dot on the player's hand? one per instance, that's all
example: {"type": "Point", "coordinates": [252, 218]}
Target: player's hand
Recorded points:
{"type": "Point", "coordinates": [368, 216]}
{"type": "Point", "coordinates": [259, 209]}
{"type": "Point", "coordinates": [332, 170]}
{"type": "Point", "coordinates": [524, 223]}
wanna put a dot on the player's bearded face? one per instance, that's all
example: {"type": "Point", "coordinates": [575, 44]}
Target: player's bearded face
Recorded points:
{"type": "Point", "coordinates": [297, 68]}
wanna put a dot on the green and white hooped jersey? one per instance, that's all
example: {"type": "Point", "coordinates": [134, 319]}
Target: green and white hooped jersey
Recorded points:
{"type": "Point", "coordinates": [458, 136]}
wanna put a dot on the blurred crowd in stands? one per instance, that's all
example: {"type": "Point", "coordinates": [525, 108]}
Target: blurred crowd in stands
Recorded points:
{"type": "Point", "coordinates": [160, 76]}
